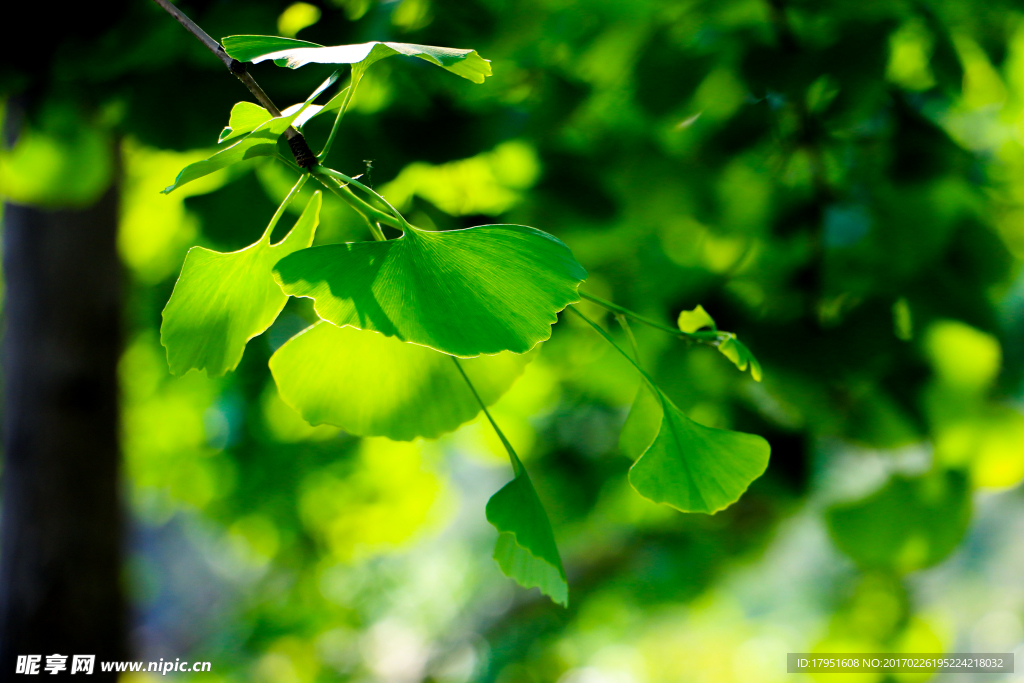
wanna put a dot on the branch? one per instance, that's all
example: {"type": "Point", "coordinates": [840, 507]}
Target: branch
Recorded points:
{"type": "Point", "coordinates": [304, 156]}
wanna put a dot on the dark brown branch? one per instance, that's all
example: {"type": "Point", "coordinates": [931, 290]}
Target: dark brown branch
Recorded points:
{"type": "Point", "coordinates": [304, 157]}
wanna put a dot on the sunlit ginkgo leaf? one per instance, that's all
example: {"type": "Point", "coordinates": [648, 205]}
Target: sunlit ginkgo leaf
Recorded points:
{"type": "Point", "coordinates": [295, 53]}
{"type": "Point", "coordinates": [221, 301]}
{"type": "Point", "coordinates": [466, 292]}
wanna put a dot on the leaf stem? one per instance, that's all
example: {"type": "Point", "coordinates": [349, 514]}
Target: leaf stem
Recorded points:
{"type": "Point", "coordinates": [516, 465]}
{"type": "Point", "coordinates": [624, 324]}
{"type": "Point", "coordinates": [284, 204]}
{"type": "Point", "coordinates": [374, 228]}
{"type": "Point", "coordinates": [361, 207]}
{"type": "Point", "coordinates": [352, 181]}
{"type": "Point", "coordinates": [355, 78]}
{"type": "Point", "coordinates": [709, 337]}
{"type": "Point", "coordinates": [608, 338]}
{"type": "Point", "coordinates": [371, 214]}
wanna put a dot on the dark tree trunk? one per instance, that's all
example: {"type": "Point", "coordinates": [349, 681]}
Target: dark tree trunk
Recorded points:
{"type": "Point", "coordinates": [61, 530]}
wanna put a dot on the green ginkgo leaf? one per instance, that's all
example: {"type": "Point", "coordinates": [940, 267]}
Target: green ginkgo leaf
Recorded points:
{"type": "Point", "coordinates": [688, 466]}
{"type": "Point", "coordinates": [372, 385]}
{"type": "Point", "coordinates": [526, 550]}
{"type": "Point", "coordinates": [221, 301]}
{"type": "Point", "coordinates": [261, 141]}
{"type": "Point", "coordinates": [736, 351]}
{"type": "Point", "coordinates": [248, 48]}
{"type": "Point", "coordinates": [295, 53]}
{"type": "Point", "coordinates": [727, 343]}
{"type": "Point", "coordinates": [695, 468]}
{"type": "Point", "coordinates": [691, 321]}
{"type": "Point", "coordinates": [465, 292]}
{"type": "Point", "coordinates": [246, 117]}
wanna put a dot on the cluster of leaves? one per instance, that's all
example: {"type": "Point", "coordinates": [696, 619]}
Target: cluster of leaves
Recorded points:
{"type": "Point", "coordinates": [840, 182]}
{"type": "Point", "coordinates": [391, 310]}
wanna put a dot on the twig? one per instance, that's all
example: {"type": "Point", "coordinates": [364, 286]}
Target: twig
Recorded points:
{"type": "Point", "coordinates": [304, 156]}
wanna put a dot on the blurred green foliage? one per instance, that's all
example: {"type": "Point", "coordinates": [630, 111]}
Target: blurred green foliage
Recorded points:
{"type": "Point", "coordinates": [840, 183]}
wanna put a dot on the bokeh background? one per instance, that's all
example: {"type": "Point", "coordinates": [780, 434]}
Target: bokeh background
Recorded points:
{"type": "Point", "coordinates": [841, 183]}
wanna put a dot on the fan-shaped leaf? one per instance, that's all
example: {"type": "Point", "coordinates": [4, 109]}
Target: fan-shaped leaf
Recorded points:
{"type": "Point", "coordinates": [221, 301]}
{"type": "Point", "coordinates": [465, 292]}
{"type": "Point", "coordinates": [248, 48]}
{"type": "Point", "coordinates": [695, 468]}
{"type": "Point", "coordinates": [245, 118]}
{"type": "Point", "coordinates": [372, 385]}
{"type": "Point", "coordinates": [736, 351]}
{"type": "Point", "coordinates": [296, 53]}
{"type": "Point", "coordinates": [689, 466]}
{"type": "Point", "coordinates": [526, 549]}
{"type": "Point", "coordinates": [731, 347]}
{"type": "Point", "coordinates": [262, 141]}
{"type": "Point", "coordinates": [691, 321]}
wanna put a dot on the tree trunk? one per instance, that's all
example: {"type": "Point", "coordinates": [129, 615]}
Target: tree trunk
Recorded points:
{"type": "Point", "coordinates": [60, 551]}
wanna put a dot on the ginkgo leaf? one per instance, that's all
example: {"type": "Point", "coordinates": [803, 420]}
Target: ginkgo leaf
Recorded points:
{"type": "Point", "coordinates": [465, 292]}
{"type": "Point", "coordinates": [261, 141]}
{"type": "Point", "coordinates": [296, 53]}
{"type": "Point", "coordinates": [731, 347]}
{"type": "Point", "coordinates": [247, 48]}
{"type": "Point", "coordinates": [688, 466]}
{"type": "Point", "coordinates": [372, 385]}
{"type": "Point", "coordinates": [736, 351]}
{"type": "Point", "coordinates": [246, 117]}
{"type": "Point", "coordinates": [691, 321]}
{"type": "Point", "coordinates": [695, 468]}
{"type": "Point", "coordinates": [526, 550]}
{"type": "Point", "coordinates": [221, 301]}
